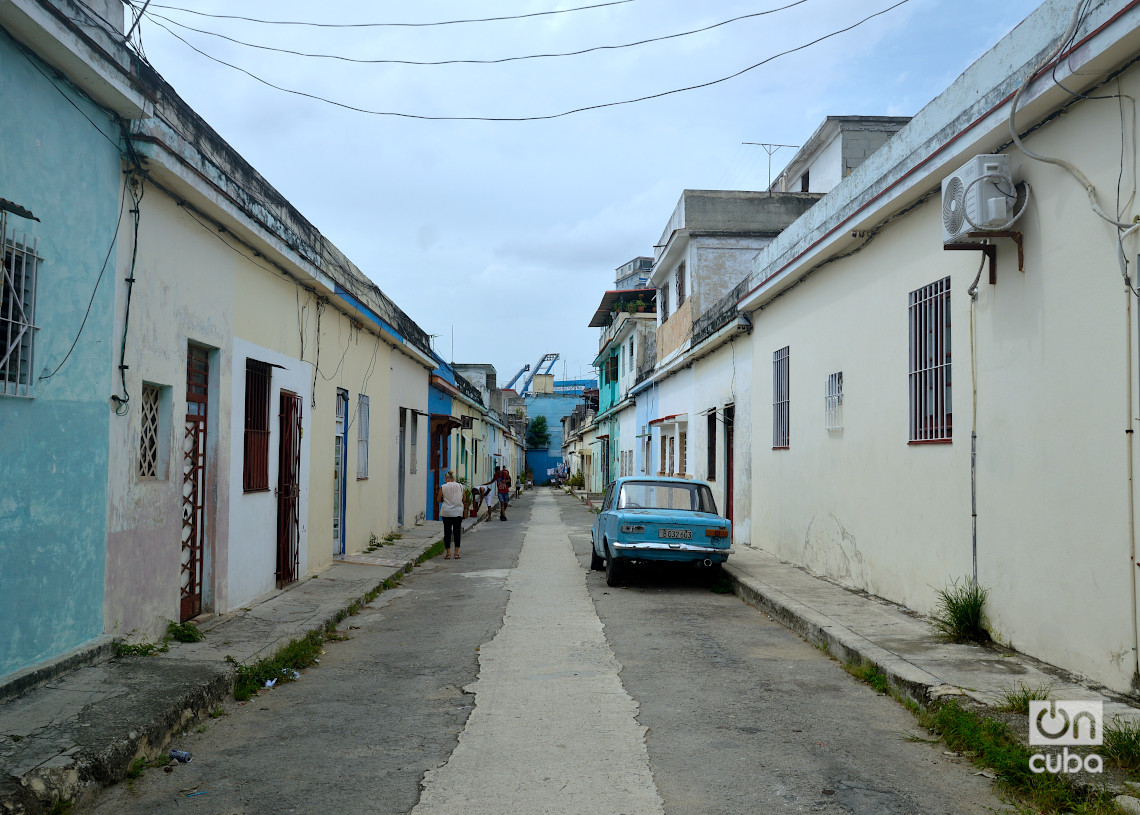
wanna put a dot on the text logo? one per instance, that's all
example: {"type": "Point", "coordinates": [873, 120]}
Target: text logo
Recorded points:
{"type": "Point", "coordinates": [1066, 723]}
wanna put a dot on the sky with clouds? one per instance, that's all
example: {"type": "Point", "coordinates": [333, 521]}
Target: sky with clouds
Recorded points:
{"type": "Point", "coordinates": [505, 234]}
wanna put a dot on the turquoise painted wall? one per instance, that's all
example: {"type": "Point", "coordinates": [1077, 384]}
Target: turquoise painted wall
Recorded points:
{"type": "Point", "coordinates": [54, 447]}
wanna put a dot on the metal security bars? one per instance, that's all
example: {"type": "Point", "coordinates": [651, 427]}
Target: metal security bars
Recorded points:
{"type": "Point", "coordinates": [833, 402]}
{"type": "Point", "coordinates": [148, 440]}
{"type": "Point", "coordinates": [930, 405]}
{"type": "Point", "coordinates": [781, 425]}
{"type": "Point", "coordinates": [256, 471]}
{"type": "Point", "coordinates": [362, 436]}
{"type": "Point", "coordinates": [17, 312]}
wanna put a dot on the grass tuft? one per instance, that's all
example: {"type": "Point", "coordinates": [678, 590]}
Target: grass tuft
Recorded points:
{"type": "Point", "coordinates": [1016, 700]}
{"type": "Point", "coordinates": [293, 656]}
{"type": "Point", "coordinates": [142, 649]}
{"type": "Point", "coordinates": [960, 613]}
{"type": "Point", "coordinates": [184, 632]}
{"type": "Point", "coordinates": [870, 673]}
{"type": "Point", "coordinates": [1122, 743]}
{"type": "Point", "coordinates": [990, 745]}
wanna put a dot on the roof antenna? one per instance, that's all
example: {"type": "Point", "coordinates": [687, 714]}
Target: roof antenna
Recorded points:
{"type": "Point", "coordinates": [769, 149]}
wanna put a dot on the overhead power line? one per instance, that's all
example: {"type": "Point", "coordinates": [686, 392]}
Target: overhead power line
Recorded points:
{"type": "Point", "coordinates": [498, 61]}
{"type": "Point", "coordinates": [390, 25]}
{"type": "Point", "coordinates": [403, 115]}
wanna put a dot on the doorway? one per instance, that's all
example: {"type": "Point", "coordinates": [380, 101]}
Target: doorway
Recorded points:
{"type": "Point", "coordinates": [340, 458]}
{"type": "Point", "coordinates": [288, 490]}
{"type": "Point", "coordinates": [192, 575]}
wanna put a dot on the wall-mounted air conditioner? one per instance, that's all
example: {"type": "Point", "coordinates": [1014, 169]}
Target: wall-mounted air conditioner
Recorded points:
{"type": "Point", "coordinates": [978, 197]}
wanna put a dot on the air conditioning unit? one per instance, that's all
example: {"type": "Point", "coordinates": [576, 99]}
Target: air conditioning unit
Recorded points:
{"type": "Point", "coordinates": [979, 196]}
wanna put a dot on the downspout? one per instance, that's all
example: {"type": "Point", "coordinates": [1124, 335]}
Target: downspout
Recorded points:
{"type": "Point", "coordinates": [1128, 435]}
{"type": "Point", "coordinates": [973, 292]}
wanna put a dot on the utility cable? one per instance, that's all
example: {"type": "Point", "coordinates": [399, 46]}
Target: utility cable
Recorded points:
{"type": "Point", "coordinates": [153, 17]}
{"type": "Point", "coordinates": [646, 98]}
{"type": "Point", "coordinates": [391, 25]}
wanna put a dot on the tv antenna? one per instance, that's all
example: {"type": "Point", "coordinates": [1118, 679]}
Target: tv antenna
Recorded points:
{"type": "Point", "coordinates": [769, 149]}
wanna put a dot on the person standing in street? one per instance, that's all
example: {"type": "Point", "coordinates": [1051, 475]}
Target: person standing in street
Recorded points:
{"type": "Point", "coordinates": [453, 506]}
{"type": "Point", "coordinates": [504, 492]}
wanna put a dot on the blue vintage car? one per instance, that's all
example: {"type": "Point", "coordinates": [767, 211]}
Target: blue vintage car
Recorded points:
{"type": "Point", "coordinates": [663, 519]}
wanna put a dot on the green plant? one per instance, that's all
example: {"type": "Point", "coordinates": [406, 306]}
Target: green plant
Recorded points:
{"type": "Point", "coordinates": [1122, 743]}
{"type": "Point", "coordinates": [576, 480]}
{"type": "Point", "coordinates": [960, 613]}
{"type": "Point", "coordinates": [1016, 700]}
{"type": "Point", "coordinates": [184, 632]}
{"type": "Point", "coordinates": [870, 673]}
{"type": "Point", "coordinates": [142, 649]}
{"type": "Point", "coordinates": [293, 656]}
{"type": "Point", "coordinates": [62, 806]}
{"type": "Point", "coordinates": [218, 712]}
{"type": "Point", "coordinates": [537, 433]}
{"type": "Point", "coordinates": [989, 745]}
{"type": "Point", "coordinates": [373, 543]}
{"type": "Point", "coordinates": [136, 767]}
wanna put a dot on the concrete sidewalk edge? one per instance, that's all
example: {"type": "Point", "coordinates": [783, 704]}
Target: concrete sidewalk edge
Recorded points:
{"type": "Point", "coordinates": [81, 772]}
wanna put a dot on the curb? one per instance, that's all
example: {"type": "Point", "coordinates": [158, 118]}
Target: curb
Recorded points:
{"type": "Point", "coordinates": [77, 775]}
{"type": "Point", "coordinates": [839, 641]}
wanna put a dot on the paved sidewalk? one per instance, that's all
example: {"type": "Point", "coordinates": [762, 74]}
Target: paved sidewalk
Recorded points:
{"type": "Point", "coordinates": [83, 729]}
{"type": "Point", "coordinates": [903, 645]}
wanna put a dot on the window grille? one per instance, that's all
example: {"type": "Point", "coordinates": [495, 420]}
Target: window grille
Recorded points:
{"type": "Point", "coordinates": [149, 438]}
{"type": "Point", "coordinates": [833, 402]}
{"type": "Point", "coordinates": [781, 431]}
{"type": "Point", "coordinates": [664, 454]}
{"type": "Point", "coordinates": [663, 302]}
{"type": "Point", "coordinates": [631, 353]}
{"type": "Point", "coordinates": [672, 455]}
{"type": "Point", "coordinates": [415, 433]}
{"type": "Point", "coordinates": [255, 477]}
{"type": "Point", "coordinates": [680, 285]}
{"type": "Point", "coordinates": [362, 436]}
{"type": "Point", "coordinates": [710, 461]}
{"type": "Point", "coordinates": [929, 385]}
{"type": "Point", "coordinates": [17, 312]}
{"type": "Point", "coordinates": [682, 452]}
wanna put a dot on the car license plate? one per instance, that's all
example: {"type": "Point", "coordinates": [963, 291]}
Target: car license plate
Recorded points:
{"type": "Point", "coordinates": [683, 534]}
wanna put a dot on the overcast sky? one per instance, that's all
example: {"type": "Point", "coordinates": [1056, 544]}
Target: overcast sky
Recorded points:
{"type": "Point", "coordinates": [508, 233]}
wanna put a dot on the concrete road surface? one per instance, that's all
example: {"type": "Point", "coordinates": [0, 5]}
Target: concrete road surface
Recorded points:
{"type": "Point", "coordinates": [515, 681]}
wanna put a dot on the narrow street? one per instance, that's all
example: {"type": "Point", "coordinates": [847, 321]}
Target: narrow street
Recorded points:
{"type": "Point", "coordinates": [516, 681]}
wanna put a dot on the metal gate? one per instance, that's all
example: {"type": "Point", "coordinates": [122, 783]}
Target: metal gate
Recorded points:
{"type": "Point", "coordinates": [288, 490]}
{"type": "Point", "coordinates": [194, 480]}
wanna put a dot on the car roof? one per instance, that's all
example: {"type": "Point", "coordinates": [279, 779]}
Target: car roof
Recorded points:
{"type": "Point", "coordinates": [660, 479]}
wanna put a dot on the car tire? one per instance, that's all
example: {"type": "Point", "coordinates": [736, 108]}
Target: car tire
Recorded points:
{"type": "Point", "coordinates": [596, 563]}
{"type": "Point", "coordinates": [613, 570]}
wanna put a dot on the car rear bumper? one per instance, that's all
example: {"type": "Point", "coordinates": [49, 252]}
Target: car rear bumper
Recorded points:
{"type": "Point", "coordinates": [675, 550]}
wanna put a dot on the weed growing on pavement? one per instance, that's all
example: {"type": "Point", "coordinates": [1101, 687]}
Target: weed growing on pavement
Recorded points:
{"type": "Point", "coordinates": [1122, 743]}
{"type": "Point", "coordinates": [435, 550]}
{"type": "Point", "coordinates": [184, 632]}
{"type": "Point", "coordinates": [293, 656]}
{"type": "Point", "coordinates": [988, 743]}
{"type": "Point", "coordinates": [870, 673]}
{"type": "Point", "coordinates": [391, 538]}
{"type": "Point", "coordinates": [1016, 700]}
{"type": "Point", "coordinates": [218, 712]}
{"type": "Point", "coordinates": [136, 767]}
{"type": "Point", "coordinates": [62, 806]}
{"type": "Point", "coordinates": [142, 649]}
{"type": "Point", "coordinates": [960, 613]}
{"type": "Point", "coordinates": [373, 543]}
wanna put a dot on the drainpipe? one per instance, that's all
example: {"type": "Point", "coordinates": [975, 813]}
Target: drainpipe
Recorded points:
{"type": "Point", "coordinates": [1128, 435]}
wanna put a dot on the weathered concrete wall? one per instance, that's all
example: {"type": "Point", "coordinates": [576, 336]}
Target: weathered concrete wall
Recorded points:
{"type": "Point", "coordinates": [53, 447]}
{"type": "Point", "coordinates": [183, 293]}
{"type": "Point", "coordinates": [1051, 347]}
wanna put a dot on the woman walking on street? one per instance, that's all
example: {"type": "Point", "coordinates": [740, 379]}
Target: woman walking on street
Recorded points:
{"type": "Point", "coordinates": [453, 506]}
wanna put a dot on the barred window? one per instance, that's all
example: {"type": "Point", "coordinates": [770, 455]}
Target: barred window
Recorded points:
{"type": "Point", "coordinates": [17, 312]}
{"type": "Point", "coordinates": [255, 476]}
{"type": "Point", "coordinates": [149, 437]}
{"type": "Point", "coordinates": [663, 302]}
{"type": "Point", "coordinates": [710, 449]}
{"type": "Point", "coordinates": [833, 402]}
{"type": "Point", "coordinates": [929, 327]}
{"type": "Point", "coordinates": [362, 437]}
{"type": "Point", "coordinates": [415, 433]}
{"type": "Point", "coordinates": [781, 430]}
{"type": "Point", "coordinates": [682, 452]}
{"type": "Point", "coordinates": [680, 284]}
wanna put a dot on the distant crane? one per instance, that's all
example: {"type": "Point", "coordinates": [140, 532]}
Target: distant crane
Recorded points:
{"type": "Point", "coordinates": [548, 360]}
{"type": "Point", "coordinates": [515, 378]}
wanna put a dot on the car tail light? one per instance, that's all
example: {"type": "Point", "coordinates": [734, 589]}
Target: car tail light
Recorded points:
{"type": "Point", "coordinates": [717, 533]}
{"type": "Point", "coordinates": [632, 529]}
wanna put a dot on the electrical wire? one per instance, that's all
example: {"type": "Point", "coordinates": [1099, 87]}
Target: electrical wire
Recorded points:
{"type": "Point", "coordinates": [545, 117]}
{"type": "Point", "coordinates": [98, 280]}
{"type": "Point", "coordinates": [389, 25]}
{"type": "Point", "coordinates": [498, 61]}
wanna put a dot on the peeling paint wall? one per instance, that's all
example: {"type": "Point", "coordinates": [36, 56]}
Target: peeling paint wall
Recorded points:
{"type": "Point", "coordinates": [53, 447]}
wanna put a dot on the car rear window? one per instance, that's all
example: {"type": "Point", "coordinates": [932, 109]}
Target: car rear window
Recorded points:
{"type": "Point", "coordinates": [651, 495]}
